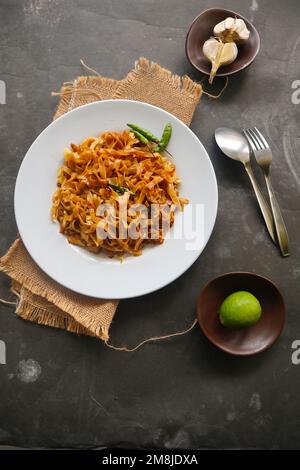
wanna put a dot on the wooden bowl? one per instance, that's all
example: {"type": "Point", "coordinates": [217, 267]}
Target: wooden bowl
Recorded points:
{"type": "Point", "coordinates": [245, 341]}
{"type": "Point", "coordinates": [201, 29]}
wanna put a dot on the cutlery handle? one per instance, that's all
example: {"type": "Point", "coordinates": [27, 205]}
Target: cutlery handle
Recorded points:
{"type": "Point", "coordinates": [264, 207]}
{"type": "Point", "coordinates": [281, 231]}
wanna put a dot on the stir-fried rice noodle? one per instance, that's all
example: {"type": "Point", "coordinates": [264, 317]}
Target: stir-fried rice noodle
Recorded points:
{"type": "Point", "coordinates": [112, 170]}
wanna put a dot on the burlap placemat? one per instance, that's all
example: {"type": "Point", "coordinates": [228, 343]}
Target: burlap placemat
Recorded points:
{"type": "Point", "coordinates": [42, 300]}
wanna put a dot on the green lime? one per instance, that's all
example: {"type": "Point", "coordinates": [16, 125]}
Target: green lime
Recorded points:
{"type": "Point", "coordinates": [239, 310]}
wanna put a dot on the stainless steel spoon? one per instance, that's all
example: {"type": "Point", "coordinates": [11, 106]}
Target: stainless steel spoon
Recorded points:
{"type": "Point", "coordinates": [235, 146]}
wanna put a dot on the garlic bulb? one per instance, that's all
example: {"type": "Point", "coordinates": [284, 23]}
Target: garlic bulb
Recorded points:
{"type": "Point", "coordinates": [232, 29]}
{"type": "Point", "coordinates": [219, 53]}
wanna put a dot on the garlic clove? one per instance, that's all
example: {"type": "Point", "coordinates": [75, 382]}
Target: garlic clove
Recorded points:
{"type": "Point", "coordinates": [229, 53]}
{"type": "Point", "coordinates": [232, 29]}
{"type": "Point", "coordinates": [219, 53]}
{"type": "Point", "coordinates": [210, 48]}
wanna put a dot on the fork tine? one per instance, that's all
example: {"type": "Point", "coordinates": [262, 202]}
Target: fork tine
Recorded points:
{"type": "Point", "coordinates": [257, 141]}
{"type": "Point", "coordinates": [259, 135]}
{"type": "Point", "coordinates": [250, 140]}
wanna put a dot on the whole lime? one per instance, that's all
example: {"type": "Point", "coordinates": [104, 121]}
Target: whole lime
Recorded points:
{"type": "Point", "coordinates": [239, 310]}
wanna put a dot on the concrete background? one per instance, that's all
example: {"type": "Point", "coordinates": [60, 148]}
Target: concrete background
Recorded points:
{"type": "Point", "coordinates": [182, 392]}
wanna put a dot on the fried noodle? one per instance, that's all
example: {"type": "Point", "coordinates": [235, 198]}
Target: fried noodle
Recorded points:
{"type": "Point", "coordinates": [107, 169]}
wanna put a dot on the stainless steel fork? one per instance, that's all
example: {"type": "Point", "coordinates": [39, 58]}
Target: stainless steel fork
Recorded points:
{"type": "Point", "coordinates": [263, 156]}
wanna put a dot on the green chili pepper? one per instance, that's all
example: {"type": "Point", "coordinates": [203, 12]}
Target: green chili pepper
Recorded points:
{"type": "Point", "coordinates": [164, 141]}
{"type": "Point", "coordinates": [119, 189]}
{"type": "Point", "coordinates": [141, 137]}
{"type": "Point", "coordinates": [165, 138]}
{"type": "Point", "coordinates": [144, 132]}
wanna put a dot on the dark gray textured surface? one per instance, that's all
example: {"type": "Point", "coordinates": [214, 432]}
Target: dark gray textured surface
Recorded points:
{"type": "Point", "coordinates": [183, 392]}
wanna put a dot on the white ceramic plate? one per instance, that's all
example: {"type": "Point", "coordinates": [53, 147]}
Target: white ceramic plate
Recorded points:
{"type": "Point", "coordinates": [95, 274]}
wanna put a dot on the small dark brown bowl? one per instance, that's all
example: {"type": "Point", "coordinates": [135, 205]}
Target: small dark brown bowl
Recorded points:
{"type": "Point", "coordinates": [202, 29]}
{"type": "Point", "coordinates": [245, 341]}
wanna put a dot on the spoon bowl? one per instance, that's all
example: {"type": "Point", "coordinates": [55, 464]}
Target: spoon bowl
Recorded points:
{"type": "Point", "coordinates": [233, 144]}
